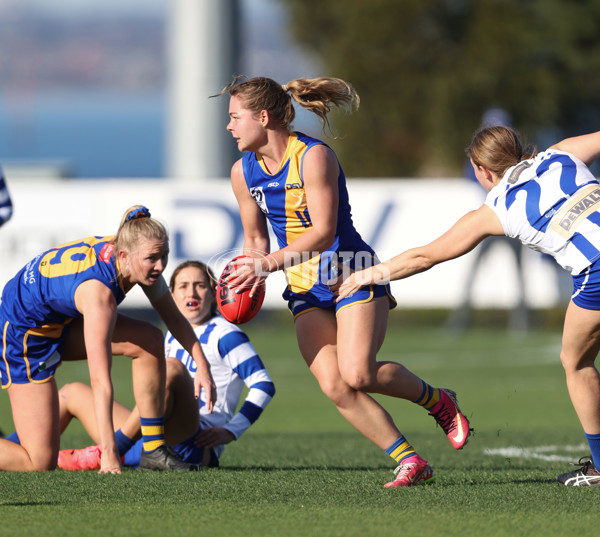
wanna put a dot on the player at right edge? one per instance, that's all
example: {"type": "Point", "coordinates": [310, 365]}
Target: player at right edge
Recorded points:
{"type": "Point", "coordinates": [550, 201]}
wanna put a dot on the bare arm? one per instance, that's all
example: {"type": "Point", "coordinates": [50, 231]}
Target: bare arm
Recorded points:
{"type": "Point", "coordinates": [183, 332]}
{"type": "Point", "coordinates": [256, 234]}
{"type": "Point", "coordinates": [99, 308]}
{"type": "Point", "coordinates": [461, 238]}
{"type": "Point", "coordinates": [586, 148]}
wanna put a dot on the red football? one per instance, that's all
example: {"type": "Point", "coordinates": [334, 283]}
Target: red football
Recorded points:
{"type": "Point", "coordinates": [239, 307]}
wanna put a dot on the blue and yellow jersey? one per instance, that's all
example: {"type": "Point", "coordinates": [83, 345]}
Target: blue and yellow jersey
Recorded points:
{"type": "Point", "coordinates": [282, 199]}
{"type": "Point", "coordinates": [42, 294]}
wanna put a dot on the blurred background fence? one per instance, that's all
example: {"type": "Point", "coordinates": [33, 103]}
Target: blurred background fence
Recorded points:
{"type": "Point", "coordinates": [104, 105]}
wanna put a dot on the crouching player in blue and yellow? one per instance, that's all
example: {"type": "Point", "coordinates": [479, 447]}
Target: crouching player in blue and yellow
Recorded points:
{"type": "Point", "coordinates": [63, 306]}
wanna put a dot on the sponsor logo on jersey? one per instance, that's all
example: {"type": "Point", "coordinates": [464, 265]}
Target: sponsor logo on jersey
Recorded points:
{"type": "Point", "coordinates": [516, 173]}
{"type": "Point", "coordinates": [106, 252]}
{"type": "Point", "coordinates": [575, 210]}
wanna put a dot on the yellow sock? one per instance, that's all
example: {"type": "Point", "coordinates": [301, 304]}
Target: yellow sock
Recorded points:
{"type": "Point", "coordinates": [400, 449]}
{"type": "Point", "coordinates": [429, 397]}
{"type": "Point", "coordinates": [153, 433]}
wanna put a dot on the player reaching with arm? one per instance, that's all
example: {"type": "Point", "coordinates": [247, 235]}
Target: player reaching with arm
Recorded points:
{"type": "Point", "coordinates": [63, 306]}
{"type": "Point", "coordinates": [551, 203]}
{"type": "Point", "coordinates": [296, 183]}
{"type": "Point", "coordinates": [197, 436]}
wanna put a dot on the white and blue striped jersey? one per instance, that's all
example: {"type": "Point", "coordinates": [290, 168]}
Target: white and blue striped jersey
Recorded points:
{"type": "Point", "coordinates": [233, 364]}
{"type": "Point", "coordinates": [6, 207]}
{"type": "Point", "coordinates": [551, 203]}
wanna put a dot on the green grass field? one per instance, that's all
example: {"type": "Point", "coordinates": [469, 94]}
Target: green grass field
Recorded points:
{"type": "Point", "coordinates": [302, 470]}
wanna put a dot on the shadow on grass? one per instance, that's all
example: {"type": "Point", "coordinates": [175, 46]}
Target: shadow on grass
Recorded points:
{"type": "Point", "coordinates": [446, 479]}
{"type": "Point", "coordinates": [280, 468]}
{"type": "Point", "coordinates": [25, 504]}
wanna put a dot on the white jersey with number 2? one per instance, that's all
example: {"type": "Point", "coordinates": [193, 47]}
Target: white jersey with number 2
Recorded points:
{"type": "Point", "coordinates": [551, 203]}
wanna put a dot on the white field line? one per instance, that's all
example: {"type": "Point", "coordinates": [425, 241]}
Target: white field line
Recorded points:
{"type": "Point", "coordinates": [546, 453]}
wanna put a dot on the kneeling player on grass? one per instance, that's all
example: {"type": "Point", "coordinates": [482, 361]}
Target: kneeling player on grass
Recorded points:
{"type": "Point", "coordinates": [63, 306]}
{"type": "Point", "coordinates": [198, 437]}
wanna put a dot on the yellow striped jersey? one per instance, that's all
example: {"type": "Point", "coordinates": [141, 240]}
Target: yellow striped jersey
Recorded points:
{"type": "Point", "coordinates": [282, 199]}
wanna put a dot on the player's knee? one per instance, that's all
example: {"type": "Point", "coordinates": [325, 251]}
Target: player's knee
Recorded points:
{"type": "Point", "coordinates": [178, 379]}
{"type": "Point", "coordinates": [176, 372]}
{"type": "Point", "coordinates": [360, 383]}
{"type": "Point", "coordinates": [154, 341]}
{"type": "Point", "coordinates": [71, 391]}
{"type": "Point", "coordinates": [358, 379]}
{"type": "Point", "coordinates": [175, 367]}
{"type": "Point", "coordinates": [573, 365]}
{"type": "Point", "coordinates": [151, 344]}
{"type": "Point", "coordinates": [44, 461]}
{"type": "Point", "coordinates": [336, 390]}
{"type": "Point", "coordinates": [48, 466]}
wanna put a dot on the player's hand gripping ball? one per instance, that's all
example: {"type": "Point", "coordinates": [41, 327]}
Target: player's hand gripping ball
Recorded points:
{"type": "Point", "coordinates": [239, 307]}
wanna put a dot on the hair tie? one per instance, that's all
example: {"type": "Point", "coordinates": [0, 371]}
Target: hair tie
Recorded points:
{"type": "Point", "coordinates": [284, 87]}
{"type": "Point", "coordinates": [141, 212]}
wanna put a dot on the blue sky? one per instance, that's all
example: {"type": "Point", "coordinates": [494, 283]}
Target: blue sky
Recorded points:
{"type": "Point", "coordinates": [268, 51]}
{"type": "Point", "coordinates": [79, 7]}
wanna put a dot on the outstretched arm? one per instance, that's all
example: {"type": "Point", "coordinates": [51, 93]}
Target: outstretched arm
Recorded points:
{"type": "Point", "coordinates": [461, 238]}
{"type": "Point", "coordinates": [586, 147]}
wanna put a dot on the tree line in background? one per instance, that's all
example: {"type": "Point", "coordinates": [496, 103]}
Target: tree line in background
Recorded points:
{"type": "Point", "coordinates": [426, 70]}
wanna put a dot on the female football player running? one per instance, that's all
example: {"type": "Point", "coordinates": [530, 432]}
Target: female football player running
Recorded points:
{"type": "Point", "coordinates": [297, 184]}
{"type": "Point", "coordinates": [63, 306]}
{"type": "Point", "coordinates": [551, 203]}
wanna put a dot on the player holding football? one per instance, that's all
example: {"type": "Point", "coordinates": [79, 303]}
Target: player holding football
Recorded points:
{"type": "Point", "coordinates": [551, 203]}
{"type": "Point", "coordinates": [198, 437]}
{"type": "Point", "coordinates": [297, 184]}
{"type": "Point", "coordinates": [63, 306]}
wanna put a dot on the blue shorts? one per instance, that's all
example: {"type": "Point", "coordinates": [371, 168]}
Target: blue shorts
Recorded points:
{"type": "Point", "coordinates": [30, 354]}
{"type": "Point", "coordinates": [189, 451]}
{"type": "Point", "coordinates": [306, 303]}
{"type": "Point", "coordinates": [586, 287]}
